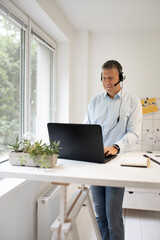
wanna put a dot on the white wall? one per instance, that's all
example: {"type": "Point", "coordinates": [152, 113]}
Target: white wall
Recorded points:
{"type": "Point", "coordinates": [81, 72]}
{"type": "Point", "coordinates": [138, 52]}
{"type": "Point", "coordinates": [56, 15]}
{"type": "Point", "coordinates": [18, 212]}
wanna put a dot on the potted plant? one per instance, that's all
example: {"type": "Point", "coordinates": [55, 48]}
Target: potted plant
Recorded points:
{"type": "Point", "coordinates": [37, 154]}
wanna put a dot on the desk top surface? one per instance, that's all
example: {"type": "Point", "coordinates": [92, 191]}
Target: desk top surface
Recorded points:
{"type": "Point", "coordinates": [108, 174]}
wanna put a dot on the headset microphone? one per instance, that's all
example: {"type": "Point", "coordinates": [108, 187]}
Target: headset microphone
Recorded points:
{"type": "Point", "coordinates": [121, 79]}
{"type": "Point", "coordinates": [117, 83]}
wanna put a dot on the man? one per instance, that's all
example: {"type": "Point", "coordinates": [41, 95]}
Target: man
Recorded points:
{"type": "Point", "coordinates": [120, 116]}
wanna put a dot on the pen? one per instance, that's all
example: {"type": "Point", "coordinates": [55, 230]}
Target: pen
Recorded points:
{"type": "Point", "coordinates": [153, 160]}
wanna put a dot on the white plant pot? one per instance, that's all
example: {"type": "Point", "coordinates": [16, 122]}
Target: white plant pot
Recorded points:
{"type": "Point", "coordinates": [24, 159]}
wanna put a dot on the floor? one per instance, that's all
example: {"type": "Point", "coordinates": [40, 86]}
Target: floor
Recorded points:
{"type": "Point", "coordinates": [139, 225]}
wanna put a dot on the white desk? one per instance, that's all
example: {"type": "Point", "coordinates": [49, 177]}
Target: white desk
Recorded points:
{"type": "Point", "coordinates": [109, 174]}
{"type": "Point", "coordinates": [68, 171]}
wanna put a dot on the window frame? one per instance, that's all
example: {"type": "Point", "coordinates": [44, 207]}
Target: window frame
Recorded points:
{"type": "Point", "coordinates": [28, 25]}
{"type": "Point", "coordinates": [32, 26]}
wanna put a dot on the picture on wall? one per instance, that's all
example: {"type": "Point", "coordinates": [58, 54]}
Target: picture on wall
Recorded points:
{"type": "Point", "coordinates": [149, 105]}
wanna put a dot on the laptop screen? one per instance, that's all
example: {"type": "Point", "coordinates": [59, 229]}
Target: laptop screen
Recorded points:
{"type": "Point", "coordinates": [78, 141]}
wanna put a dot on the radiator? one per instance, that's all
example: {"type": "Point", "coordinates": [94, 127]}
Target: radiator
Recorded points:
{"type": "Point", "coordinates": [48, 208]}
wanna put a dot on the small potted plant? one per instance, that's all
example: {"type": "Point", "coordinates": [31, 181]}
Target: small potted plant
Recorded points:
{"type": "Point", "coordinates": [37, 154]}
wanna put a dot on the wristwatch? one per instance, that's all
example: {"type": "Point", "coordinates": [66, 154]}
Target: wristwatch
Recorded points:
{"type": "Point", "coordinates": [116, 147]}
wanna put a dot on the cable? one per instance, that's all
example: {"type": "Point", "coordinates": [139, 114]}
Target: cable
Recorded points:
{"type": "Point", "coordinates": [118, 113]}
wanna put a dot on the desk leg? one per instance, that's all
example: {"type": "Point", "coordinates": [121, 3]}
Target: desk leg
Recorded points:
{"type": "Point", "coordinates": [63, 204]}
{"type": "Point", "coordinates": [92, 215]}
{"type": "Point", "coordinates": [69, 228]}
{"type": "Point", "coordinates": [59, 222]}
{"type": "Point", "coordinates": [74, 232]}
{"type": "Point", "coordinates": [66, 228]}
{"type": "Point", "coordinates": [56, 229]}
{"type": "Point", "coordinates": [67, 222]}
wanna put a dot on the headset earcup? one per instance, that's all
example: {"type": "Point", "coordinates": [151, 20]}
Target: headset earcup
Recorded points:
{"type": "Point", "coordinates": [121, 77]}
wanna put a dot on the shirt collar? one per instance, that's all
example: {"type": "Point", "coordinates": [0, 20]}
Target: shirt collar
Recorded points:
{"type": "Point", "coordinates": [118, 95]}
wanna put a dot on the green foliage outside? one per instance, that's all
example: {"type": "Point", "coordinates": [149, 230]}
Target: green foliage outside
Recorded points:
{"type": "Point", "coordinates": [9, 83]}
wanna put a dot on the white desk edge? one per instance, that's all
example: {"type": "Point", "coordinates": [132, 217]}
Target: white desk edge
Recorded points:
{"type": "Point", "coordinates": [78, 172]}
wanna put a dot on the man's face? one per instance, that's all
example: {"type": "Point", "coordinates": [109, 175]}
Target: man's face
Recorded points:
{"type": "Point", "coordinates": [109, 78]}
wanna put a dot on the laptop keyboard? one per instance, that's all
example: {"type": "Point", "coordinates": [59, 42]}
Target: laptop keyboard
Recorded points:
{"type": "Point", "coordinates": [109, 157]}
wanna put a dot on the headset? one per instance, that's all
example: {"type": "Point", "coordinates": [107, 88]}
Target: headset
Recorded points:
{"type": "Point", "coordinates": [114, 64]}
{"type": "Point", "coordinates": [121, 78]}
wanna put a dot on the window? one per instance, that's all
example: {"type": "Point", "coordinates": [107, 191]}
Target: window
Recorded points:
{"type": "Point", "coordinates": [11, 42]}
{"type": "Point", "coordinates": [26, 79]}
{"type": "Point", "coordinates": [41, 86]}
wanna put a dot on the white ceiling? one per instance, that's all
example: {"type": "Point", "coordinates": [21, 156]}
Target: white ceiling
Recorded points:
{"type": "Point", "coordinates": [111, 15]}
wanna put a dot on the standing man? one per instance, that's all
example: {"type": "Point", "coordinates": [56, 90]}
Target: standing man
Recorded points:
{"type": "Point", "coordinates": [120, 116]}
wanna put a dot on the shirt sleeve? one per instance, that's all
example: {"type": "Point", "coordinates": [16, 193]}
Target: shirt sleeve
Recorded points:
{"type": "Point", "coordinates": [133, 132]}
{"type": "Point", "coordinates": [87, 119]}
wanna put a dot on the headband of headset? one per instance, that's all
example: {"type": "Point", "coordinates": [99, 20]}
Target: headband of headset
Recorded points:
{"type": "Point", "coordinates": [114, 64]}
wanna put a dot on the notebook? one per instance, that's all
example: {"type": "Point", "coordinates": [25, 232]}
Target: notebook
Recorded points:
{"type": "Point", "coordinates": [136, 161]}
{"type": "Point", "coordinates": [82, 142]}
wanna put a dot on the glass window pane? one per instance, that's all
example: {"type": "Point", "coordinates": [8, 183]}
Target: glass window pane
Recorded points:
{"type": "Point", "coordinates": [41, 77]}
{"type": "Point", "coordinates": [10, 118]}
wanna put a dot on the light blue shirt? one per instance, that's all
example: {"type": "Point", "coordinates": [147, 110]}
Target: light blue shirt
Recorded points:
{"type": "Point", "coordinates": [105, 111]}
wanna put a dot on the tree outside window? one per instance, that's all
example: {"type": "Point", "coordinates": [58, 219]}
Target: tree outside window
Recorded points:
{"type": "Point", "coordinates": [10, 36]}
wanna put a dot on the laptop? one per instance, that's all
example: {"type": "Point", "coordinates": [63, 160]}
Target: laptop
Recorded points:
{"type": "Point", "coordinates": [82, 142]}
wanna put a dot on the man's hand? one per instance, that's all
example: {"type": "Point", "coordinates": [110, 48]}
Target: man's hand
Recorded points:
{"type": "Point", "coordinates": [110, 150]}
